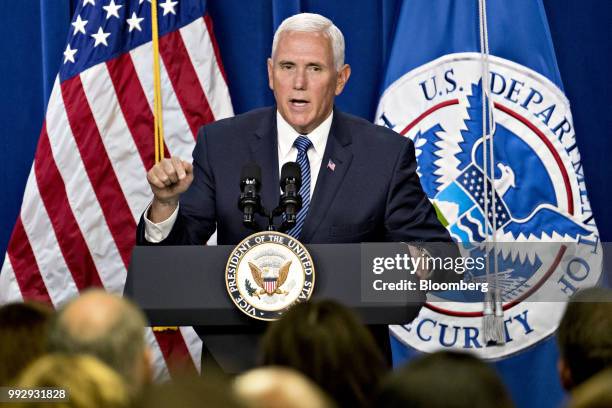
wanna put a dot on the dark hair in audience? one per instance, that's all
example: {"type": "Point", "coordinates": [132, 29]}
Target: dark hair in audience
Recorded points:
{"type": "Point", "coordinates": [326, 341]}
{"type": "Point", "coordinates": [585, 334]}
{"type": "Point", "coordinates": [189, 392]}
{"type": "Point", "coordinates": [444, 379]}
{"type": "Point", "coordinates": [23, 336]}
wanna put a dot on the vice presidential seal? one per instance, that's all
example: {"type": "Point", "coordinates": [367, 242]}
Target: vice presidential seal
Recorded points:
{"type": "Point", "coordinates": [267, 273]}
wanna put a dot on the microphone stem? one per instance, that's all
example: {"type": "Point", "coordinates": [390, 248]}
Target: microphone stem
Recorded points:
{"type": "Point", "coordinates": [271, 222]}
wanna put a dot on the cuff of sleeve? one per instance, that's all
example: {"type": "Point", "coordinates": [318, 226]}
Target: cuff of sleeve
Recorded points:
{"type": "Point", "coordinates": [155, 233]}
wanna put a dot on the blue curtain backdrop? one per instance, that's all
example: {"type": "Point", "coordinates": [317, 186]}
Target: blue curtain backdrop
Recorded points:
{"type": "Point", "coordinates": [32, 36]}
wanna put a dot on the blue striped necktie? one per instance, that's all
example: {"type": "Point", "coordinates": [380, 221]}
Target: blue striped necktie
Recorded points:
{"type": "Point", "coordinates": [302, 143]}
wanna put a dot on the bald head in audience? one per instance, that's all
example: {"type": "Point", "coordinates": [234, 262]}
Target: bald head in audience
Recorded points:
{"type": "Point", "coordinates": [109, 328]}
{"type": "Point", "coordinates": [279, 387]}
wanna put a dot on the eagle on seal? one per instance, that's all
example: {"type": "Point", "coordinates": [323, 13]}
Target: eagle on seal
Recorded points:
{"type": "Point", "coordinates": [269, 279]}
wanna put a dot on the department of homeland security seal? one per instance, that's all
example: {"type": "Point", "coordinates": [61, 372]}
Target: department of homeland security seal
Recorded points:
{"type": "Point", "coordinates": [539, 189]}
{"type": "Point", "coordinates": [267, 273]}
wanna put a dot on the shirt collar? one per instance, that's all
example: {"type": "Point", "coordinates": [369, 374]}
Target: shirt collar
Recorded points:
{"type": "Point", "coordinates": [287, 135]}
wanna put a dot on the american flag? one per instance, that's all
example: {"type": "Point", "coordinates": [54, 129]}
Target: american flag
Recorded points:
{"type": "Point", "coordinates": [87, 186]}
{"type": "Point", "coordinates": [471, 179]}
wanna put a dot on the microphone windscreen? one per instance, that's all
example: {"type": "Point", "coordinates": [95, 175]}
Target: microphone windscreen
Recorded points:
{"type": "Point", "coordinates": [291, 170]}
{"type": "Point", "coordinates": [251, 171]}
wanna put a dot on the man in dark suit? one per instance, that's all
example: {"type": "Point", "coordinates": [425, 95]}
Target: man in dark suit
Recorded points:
{"type": "Point", "coordinates": [359, 180]}
{"type": "Point", "coordinates": [367, 189]}
{"type": "Point", "coordinates": [363, 182]}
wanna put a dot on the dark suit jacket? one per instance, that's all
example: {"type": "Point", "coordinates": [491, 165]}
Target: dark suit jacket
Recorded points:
{"type": "Point", "coordinates": [372, 195]}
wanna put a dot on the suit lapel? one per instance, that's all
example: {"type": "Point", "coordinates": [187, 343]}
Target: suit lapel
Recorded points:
{"type": "Point", "coordinates": [264, 151]}
{"type": "Point", "coordinates": [328, 180]}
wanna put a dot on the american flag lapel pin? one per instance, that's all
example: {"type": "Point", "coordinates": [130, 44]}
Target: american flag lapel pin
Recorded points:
{"type": "Point", "coordinates": [331, 165]}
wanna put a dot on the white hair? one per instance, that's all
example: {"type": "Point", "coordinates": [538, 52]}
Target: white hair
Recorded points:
{"type": "Point", "coordinates": [314, 23]}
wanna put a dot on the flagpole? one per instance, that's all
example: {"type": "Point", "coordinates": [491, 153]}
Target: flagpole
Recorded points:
{"type": "Point", "coordinates": [157, 107]}
{"type": "Point", "coordinates": [157, 99]}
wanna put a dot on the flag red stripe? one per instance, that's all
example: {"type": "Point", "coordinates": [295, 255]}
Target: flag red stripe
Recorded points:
{"type": "Point", "coordinates": [25, 267]}
{"type": "Point", "coordinates": [133, 104]}
{"type": "Point", "coordinates": [99, 169]}
{"type": "Point", "coordinates": [69, 237]}
{"type": "Point", "coordinates": [213, 39]}
{"type": "Point", "coordinates": [185, 81]}
{"type": "Point", "coordinates": [175, 352]}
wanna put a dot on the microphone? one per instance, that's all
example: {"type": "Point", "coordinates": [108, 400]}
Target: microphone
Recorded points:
{"type": "Point", "coordinates": [250, 201]}
{"type": "Point", "coordinates": [290, 200]}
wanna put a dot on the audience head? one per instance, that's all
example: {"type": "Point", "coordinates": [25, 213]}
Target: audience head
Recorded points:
{"type": "Point", "coordinates": [23, 336]}
{"type": "Point", "coordinates": [279, 387]}
{"type": "Point", "coordinates": [189, 392]}
{"type": "Point", "coordinates": [596, 392]}
{"type": "Point", "coordinates": [88, 382]}
{"type": "Point", "coordinates": [109, 328]}
{"type": "Point", "coordinates": [444, 380]}
{"type": "Point", "coordinates": [325, 341]}
{"type": "Point", "coordinates": [585, 336]}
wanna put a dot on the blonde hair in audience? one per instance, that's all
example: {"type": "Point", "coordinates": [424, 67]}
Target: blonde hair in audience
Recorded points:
{"type": "Point", "coordinates": [89, 382]}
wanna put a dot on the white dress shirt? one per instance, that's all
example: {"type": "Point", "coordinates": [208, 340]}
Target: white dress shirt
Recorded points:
{"type": "Point", "coordinates": [286, 153]}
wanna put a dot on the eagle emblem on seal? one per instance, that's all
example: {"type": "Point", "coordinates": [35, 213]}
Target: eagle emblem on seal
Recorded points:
{"type": "Point", "coordinates": [269, 279]}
